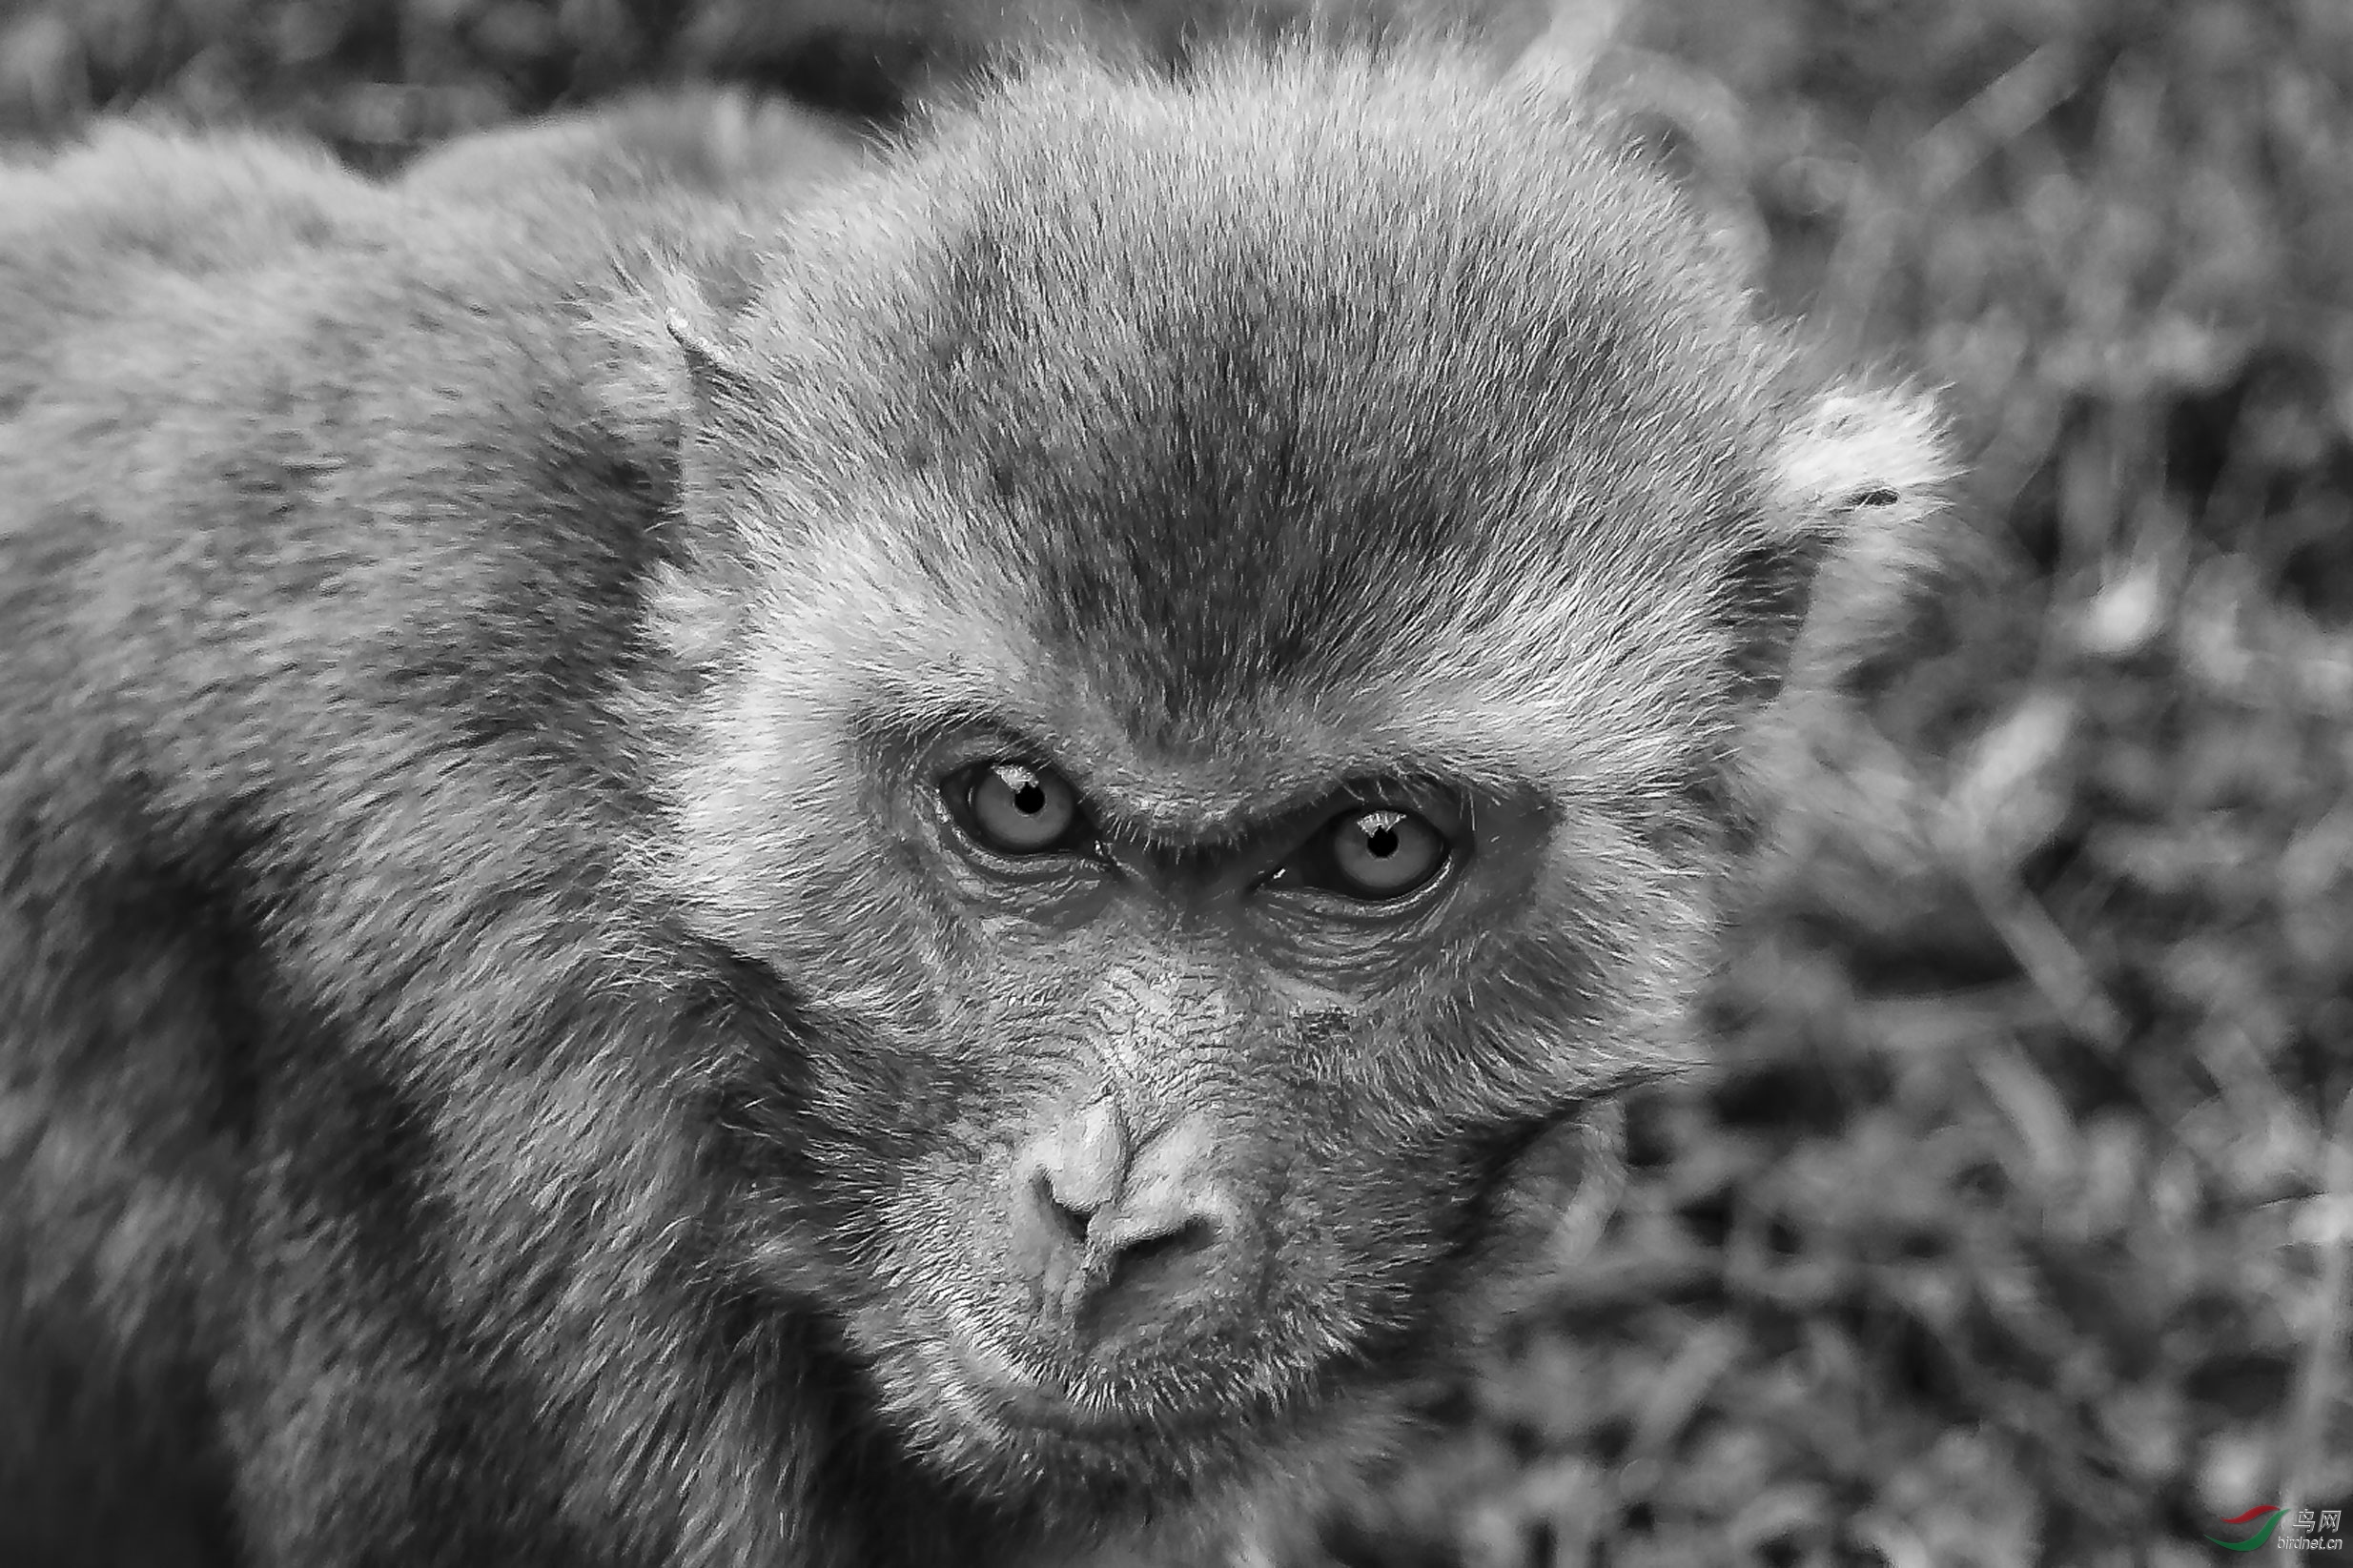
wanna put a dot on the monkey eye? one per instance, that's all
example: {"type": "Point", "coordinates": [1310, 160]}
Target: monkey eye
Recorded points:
{"type": "Point", "coordinates": [1381, 853]}
{"type": "Point", "coordinates": [1016, 809]}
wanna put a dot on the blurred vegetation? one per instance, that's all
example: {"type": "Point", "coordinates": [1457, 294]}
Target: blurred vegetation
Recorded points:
{"type": "Point", "coordinates": [2015, 1227]}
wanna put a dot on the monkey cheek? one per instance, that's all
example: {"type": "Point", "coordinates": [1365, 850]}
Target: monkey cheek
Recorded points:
{"type": "Point", "coordinates": [1544, 1214]}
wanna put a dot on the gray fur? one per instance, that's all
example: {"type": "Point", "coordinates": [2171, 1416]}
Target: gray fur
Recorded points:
{"type": "Point", "coordinates": [492, 1068]}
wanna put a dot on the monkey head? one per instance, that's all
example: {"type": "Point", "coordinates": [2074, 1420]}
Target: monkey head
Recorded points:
{"type": "Point", "coordinates": [1217, 618]}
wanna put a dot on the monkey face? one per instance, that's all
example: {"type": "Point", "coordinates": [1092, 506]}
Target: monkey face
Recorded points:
{"type": "Point", "coordinates": [1215, 657]}
{"type": "Point", "coordinates": [1163, 1124]}
{"type": "Point", "coordinates": [1167, 1073]}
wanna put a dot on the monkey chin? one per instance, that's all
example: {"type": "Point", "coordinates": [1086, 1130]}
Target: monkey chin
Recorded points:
{"type": "Point", "coordinates": [1093, 1452]}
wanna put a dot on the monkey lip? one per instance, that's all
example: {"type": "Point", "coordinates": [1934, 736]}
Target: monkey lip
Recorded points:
{"type": "Point", "coordinates": [1013, 1395]}
{"type": "Point", "coordinates": [1040, 1408]}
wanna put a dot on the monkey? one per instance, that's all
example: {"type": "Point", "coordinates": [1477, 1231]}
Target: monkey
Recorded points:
{"type": "Point", "coordinates": [941, 865]}
{"type": "Point", "coordinates": [711, 142]}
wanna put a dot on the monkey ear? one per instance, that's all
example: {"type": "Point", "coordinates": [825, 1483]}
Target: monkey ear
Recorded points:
{"type": "Point", "coordinates": [636, 384]}
{"type": "Point", "coordinates": [713, 376]}
{"type": "Point", "coordinates": [686, 406]}
{"type": "Point", "coordinates": [726, 433]}
{"type": "Point", "coordinates": [704, 359]}
{"type": "Point", "coordinates": [1857, 482]}
{"type": "Point", "coordinates": [658, 367]}
{"type": "Point", "coordinates": [676, 399]}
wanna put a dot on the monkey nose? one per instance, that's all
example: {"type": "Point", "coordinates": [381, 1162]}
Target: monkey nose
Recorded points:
{"type": "Point", "coordinates": [1116, 1237]}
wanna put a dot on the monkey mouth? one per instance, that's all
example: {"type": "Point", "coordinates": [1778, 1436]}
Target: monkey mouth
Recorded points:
{"type": "Point", "coordinates": [1039, 1408]}
{"type": "Point", "coordinates": [1007, 1394]}
{"type": "Point", "coordinates": [1015, 1397]}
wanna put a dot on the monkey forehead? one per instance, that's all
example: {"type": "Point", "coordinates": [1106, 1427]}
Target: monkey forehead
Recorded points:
{"type": "Point", "coordinates": [1585, 705]}
{"type": "Point", "coordinates": [1312, 384]}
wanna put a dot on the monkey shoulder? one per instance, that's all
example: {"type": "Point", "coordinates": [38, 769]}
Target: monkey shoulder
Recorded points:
{"type": "Point", "coordinates": [296, 465]}
{"type": "Point", "coordinates": [306, 483]}
{"type": "Point", "coordinates": [89, 233]}
{"type": "Point", "coordinates": [651, 148]}
{"type": "Point", "coordinates": [226, 351]}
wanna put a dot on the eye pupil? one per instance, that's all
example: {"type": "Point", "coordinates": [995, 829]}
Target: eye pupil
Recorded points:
{"type": "Point", "coordinates": [1381, 841]}
{"type": "Point", "coordinates": [1016, 809]}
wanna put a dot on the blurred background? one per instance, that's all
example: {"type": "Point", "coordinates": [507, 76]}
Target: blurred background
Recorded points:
{"type": "Point", "coordinates": [2014, 1225]}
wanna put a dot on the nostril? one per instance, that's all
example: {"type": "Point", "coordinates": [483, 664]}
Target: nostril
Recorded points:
{"type": "Point", "coordinates": [1069, 1224]}
{"type": "Point", "coordinates": [1151, 1259]}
